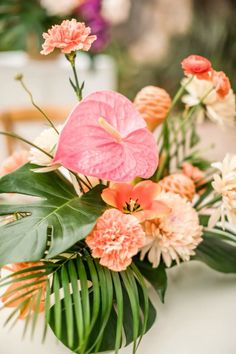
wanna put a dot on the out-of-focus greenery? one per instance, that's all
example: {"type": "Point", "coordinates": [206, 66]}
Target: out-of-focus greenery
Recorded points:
{"type": "Point", "coordinates": [18, 19]}
{"type": "Point", "coordinates": [212, 34]}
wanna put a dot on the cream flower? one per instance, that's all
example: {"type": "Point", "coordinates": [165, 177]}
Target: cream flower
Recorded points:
{"type": "Point", "coordinates": [219, 110]}
{"type": "Point", "coordinates": [225, 185]}
{"type": "Point", "coordinates": [172, 237]}
{"type": "Point", "coordinates": [47, 141]}
{"type": "Point", "coordinates": [60, 7]}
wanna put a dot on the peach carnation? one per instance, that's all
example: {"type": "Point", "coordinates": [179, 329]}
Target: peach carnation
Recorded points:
{"type": "Point", "coordinates": [69, 36]}
{"type": "Point", "coordinates": [172, 237]}
{"type": "Point", "coordinates": [11, 296]}
{"type": "Point", "coordinates": [153, 104]}
{"type": "Point", "coordinates": [197, 65]}
{"type": "Point", "coordinates": [115, 239]}
{"type": "Point", "coordinates": [13, 162]}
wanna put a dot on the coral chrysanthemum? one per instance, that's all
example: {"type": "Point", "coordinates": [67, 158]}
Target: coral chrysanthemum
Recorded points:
{"type": "Point", "coordinates": [69, 36]}
{"type": "Point", "coordinates": [116, 238]}
{"type": "Point", "coordinates": [172, 237]}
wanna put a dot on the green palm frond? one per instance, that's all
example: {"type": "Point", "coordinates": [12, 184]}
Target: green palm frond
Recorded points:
{"type": "Point", "coordinates": [90, 308]}
{"type": "Point", "coordinates": [96, 309]}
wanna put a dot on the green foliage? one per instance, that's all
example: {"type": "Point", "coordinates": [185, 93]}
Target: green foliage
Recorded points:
{"type": "Point", "coordinates": [57, 211]}
{"type": "Point", "coordinates": [89, 308]}
{"type": "Point", "coordinates": [19, 19]}
{"type": "Point", "coordinates": [157, 277]}
{"type": "Point", "coordinates": [110, 308]}
{"type": "Point", "coordinates": [218, 250]}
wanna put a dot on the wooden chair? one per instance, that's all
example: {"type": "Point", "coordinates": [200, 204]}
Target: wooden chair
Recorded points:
{"type": "Point", "coordinates": [9, 118]}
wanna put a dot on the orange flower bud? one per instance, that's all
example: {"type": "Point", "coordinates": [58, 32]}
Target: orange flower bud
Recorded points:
{"type": "Point", "coordinates": [179, 184]}
{"type": "Point", "coordinates": [153, 103]}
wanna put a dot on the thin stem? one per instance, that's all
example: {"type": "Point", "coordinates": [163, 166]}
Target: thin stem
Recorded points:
{"type": "Point", "coordinates": [178, 95]}
{"type": "Point", "coordinates": [35, 105]}
{"type": "Point", "coordinates": [13, 135]}
{"type": "Point", "coordinates": [78, 89]}
{"type": "Point", "coordinates": [76, 86]}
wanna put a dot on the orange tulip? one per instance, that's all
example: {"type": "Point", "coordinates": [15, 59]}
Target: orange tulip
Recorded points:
{"type": "Point", "coordinates": [139, 200]}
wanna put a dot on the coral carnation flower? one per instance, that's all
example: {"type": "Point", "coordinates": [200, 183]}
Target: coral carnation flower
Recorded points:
{"type": "Point", "coordinates": [222, 83]}
{"type": "Point", "coordinates": [69, 36]}
{"type": "Point", "coordinates": [115, 239]}
{"type": "Point", "coordinates": [138, 200]}
{"type": "Point", "coordinates": [197, 65]}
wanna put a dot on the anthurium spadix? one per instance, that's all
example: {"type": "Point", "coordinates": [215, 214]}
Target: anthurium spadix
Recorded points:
{"type": "Point", "coordinates": [106, 137]}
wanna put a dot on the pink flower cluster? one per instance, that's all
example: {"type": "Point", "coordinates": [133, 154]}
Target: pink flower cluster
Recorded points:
{"type": "Point", "coordinates": [69, 36]}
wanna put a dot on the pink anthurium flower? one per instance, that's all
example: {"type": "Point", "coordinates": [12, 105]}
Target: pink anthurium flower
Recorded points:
{"type": "Point", "coordinates": [106, 137]}
{"type": "Point", "coordinates": [139, 200]}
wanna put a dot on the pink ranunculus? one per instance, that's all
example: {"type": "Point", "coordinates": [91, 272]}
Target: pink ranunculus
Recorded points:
{"type": "Point", "coordinates": [198, 66]}
{"type": "Point", "coordinates": [116, 238]}
{"type": "Point", "coordinates": [222, 83]}
{"type": "Point", "coordinates": [69, 36]}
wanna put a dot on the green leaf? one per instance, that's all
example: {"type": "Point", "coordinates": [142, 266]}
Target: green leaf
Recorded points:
{"type": "Point", "coordinates": [216, 253]}
{"type": "Point", "coordinates": [155, 276]}
{"type": "Point", "coordinates": [57, 208]}
{"type": "Point", "coordinates": [108, 308]}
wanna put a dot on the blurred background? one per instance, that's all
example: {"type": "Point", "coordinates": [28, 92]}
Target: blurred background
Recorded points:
{"type": "Point", "coordinates": [140, 42]}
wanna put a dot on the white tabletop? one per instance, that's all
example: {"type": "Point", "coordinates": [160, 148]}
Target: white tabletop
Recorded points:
{"type": "Point", "coordinates": [199, 317]}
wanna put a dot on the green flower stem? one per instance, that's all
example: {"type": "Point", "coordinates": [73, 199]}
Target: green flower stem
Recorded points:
{"type": "Point", "coordinates": [178, 95]}
{"type": "Point", "coordinates": [13, 135]}
{"type": "Point", "coordinates": [20, 79]}
{"type": "Point", "coordinates": [76, 86]}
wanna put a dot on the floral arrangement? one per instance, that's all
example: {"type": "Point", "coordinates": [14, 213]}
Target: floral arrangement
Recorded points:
{"type": "Point", "coordinates": [110, 200]}
{"type": "Point", "coordinates": [22, 22]}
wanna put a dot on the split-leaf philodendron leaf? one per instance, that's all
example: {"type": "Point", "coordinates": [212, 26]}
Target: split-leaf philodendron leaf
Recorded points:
{"type": "Point", "coordinates": [58, 208]}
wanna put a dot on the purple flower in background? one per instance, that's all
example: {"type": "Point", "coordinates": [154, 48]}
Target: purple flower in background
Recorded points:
{"type": "Point", "coordinates": [90, 11]}
{"type": "Point", "coordinates": [90, 8]}
{"type": "Point", "coordinates": [100, 28]}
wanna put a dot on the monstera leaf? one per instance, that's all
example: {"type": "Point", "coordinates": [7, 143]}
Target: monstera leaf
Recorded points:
{"type": "Point", "coordinates": [57, 209]}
